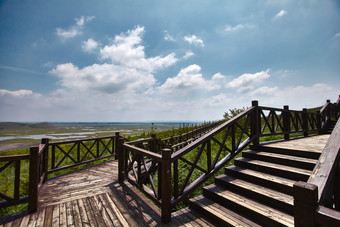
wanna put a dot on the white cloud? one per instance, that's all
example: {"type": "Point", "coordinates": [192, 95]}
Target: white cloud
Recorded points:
{"type": "Point", "coordinates": [247, 81]}
{"type": "Point", "coordinates": [265, 91]}
{"type": "Point", "coordinates": [337, 35]}
{"type": "Point", "coordinates": [168, 37]}
{"type": "Point", "coordinates": [74, 30]}
{"type": "Point", "coordinates": [105, 78]}
{"type": "Point", "coordinates": [90, 45]}
{"type": "Point", "coordinates": [194, 40]}
{"type": "Point", "coordinates": [18, 93]}
{"type": "Point", "coordinates": [126, 50]}
{"type": "Point", "coordinates": [297, 97]}
{"type": "Point", "coordinates": [218, 76]}
{"type": "Point", "coordinates": [189, 78]}
{"type": "Point", "coordinates": [188, 54]}
{"type": "Point", "coordinates": [280, 14]}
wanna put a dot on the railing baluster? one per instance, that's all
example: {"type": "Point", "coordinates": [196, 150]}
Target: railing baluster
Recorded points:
{"type": "Point", "coordinates": [305, 122]}
{"type": "Point", "coordinates": [175, 166]}
{"type": "Point", "coordinates": [209, 155]}
{"type": "Point", "coordinates": [166, 185]}
{"type": "Point", "coordinates": [33, 180]}
{"type": "Point", "coordinates": [286, 122]}
{"type": "Point", "coordinates": [45, 157]}
{"type": "Point", "coordinates": [17, 180]}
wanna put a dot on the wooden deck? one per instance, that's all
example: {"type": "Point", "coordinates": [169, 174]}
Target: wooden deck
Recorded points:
{"type": "Point", "coordinates": [94, 197]}
{"type": "Point", "coordinates": [312, 143]}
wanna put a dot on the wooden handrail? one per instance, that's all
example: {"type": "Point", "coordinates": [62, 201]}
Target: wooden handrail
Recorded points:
{"type": "Point", "coordinates": [316, 202]}
{"type": "Point", "coordinates": [325, 168]}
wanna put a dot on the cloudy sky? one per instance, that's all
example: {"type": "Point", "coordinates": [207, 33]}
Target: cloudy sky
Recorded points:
{"type": "Point", "coordinates": [154, 60]}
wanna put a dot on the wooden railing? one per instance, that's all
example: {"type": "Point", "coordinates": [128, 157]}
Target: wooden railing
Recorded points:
{"type": "Point", "coordinates": [36, 174]}
{"type": "Point", "coordinates": [48, 158]}
{"type": "Point", "coordinates": [68, 154]}
{"type": "Point", "coordinates": [317, 201]}
{"type": "Point", "coordinates": [168, 176]}
{"type": "Point", "coordinates": [329, 111]}
{"type": "Point", "coordinates": [166, 170]}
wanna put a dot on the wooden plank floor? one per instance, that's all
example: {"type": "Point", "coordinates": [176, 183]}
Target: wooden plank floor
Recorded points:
{"type": "Point", "coordinates": [94, 197]}
{"type": "Point", "coordinates": [311, 143]}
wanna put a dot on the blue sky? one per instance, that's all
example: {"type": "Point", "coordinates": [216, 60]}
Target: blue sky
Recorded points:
{"type": "Point", "coordinates": [164, 60]}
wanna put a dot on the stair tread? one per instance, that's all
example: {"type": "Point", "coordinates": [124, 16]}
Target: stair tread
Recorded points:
{"type": "Point", "coordinates": [264, 176]}
{"type": "Point", "coordinates": [282, 156]}
{"type": "Point", "coordinates": [250, 204]}
{"type": "Point", "coordinates": [258, 189]}
{"type": "Point", "coordinates": [276, 166]}
{"type": "Point", "coordinates": [221, 212]}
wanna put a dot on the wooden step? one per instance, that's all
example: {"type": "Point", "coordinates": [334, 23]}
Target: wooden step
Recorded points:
{"type": "Point", "coordinates": [265, 195]}
{"type": "Point", "coordinates": [274, 182]}
{"type": "Point", "coordinates": [283, 159]}
{"type": "Point", "coordinates": [274, 169]}
{"type": "Point", "coordinates": [219, 214]}
{"type": "Point", "coordinates": [298, 153]}
{"type": "Point", "coordinates": [263, 214]}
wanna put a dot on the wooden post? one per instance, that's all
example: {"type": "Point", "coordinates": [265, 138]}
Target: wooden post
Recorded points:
{"type": "Point", "coordinates": [153, 143]}
{"type": "Point", "coordinates": [121, 159]}
{"type": "Point", "coordinates": [286, 122]}
{"type": "Point", "coordinates": [116, 145]}
{"type": "Point", "coordinates": [255, 123]}
{"type": "Point", "coordinates": [166, 185]}
{"type": "Point", "coordinates": [33, 180]}
{"type": "Point", "coordinates": [318, 122]}
{"type": "Point", "coordinates": [328, 110]}
{"type": "Point", "coordinates": [45, 141]}
{"type": "Point", "coordinates": [305, 122]}
{"type": "Point", "coordinates": [305, 204]}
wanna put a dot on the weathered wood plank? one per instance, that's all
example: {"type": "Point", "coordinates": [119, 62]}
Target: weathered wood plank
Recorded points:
{"type": "Point", "coordinates": [89, 212]}
{"type": "Point", "coordinates": [111, 214]}
{"type": "Point", "coordinates": [55, 221]}
{"type": "Point", "coordinates": [102, 210]}
{"type": "Point", "coordinates": [48, 216]}
{"type": "Point", "coordinates": [63, 217]}
{"type": "Point", "coordinates": [125, 209]}
{"type": "Point", "coordinates": [33, 219]}
{"type": "Point", "coordinates": [24, 221]}
{"type": "Point", "coordinates": [312, 143]}
{"type": "Point", "coordinates": [41, 217]}
{"type": "Point", "coordinates": [97, 214]}
{"type": "Point", "coordinates": [69, 214]}
{"type": "Point", "coordinates": [82, 213]}
{"type": "Point", "coordinates": [76, 213]}
{"type": "Point", "coordinates": [115, 210]}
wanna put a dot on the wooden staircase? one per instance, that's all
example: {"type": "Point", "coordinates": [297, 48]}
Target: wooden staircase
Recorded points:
{"type": "Point", "coordinates": [329, 126]}
{"type": "Point", "coordinates": [257, 189]}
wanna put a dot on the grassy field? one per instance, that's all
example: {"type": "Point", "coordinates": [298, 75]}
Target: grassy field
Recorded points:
{"type": "Point", "coordinates": [17, 136]}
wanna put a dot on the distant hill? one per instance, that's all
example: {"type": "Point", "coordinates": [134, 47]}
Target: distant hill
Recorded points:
{"type": "Point", "coordinates": [17, 125]}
